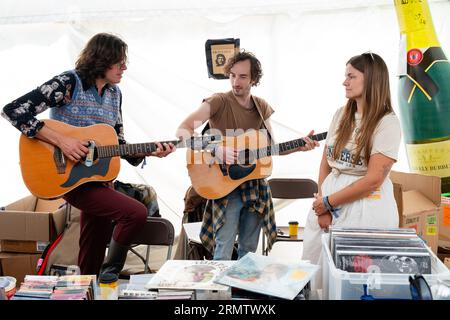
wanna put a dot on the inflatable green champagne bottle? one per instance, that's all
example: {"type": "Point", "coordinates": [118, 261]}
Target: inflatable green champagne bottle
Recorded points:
{"type": "Point", "coordinates": [424, 92]}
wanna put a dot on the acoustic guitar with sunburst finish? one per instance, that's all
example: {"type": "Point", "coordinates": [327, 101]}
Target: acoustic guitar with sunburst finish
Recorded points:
{"type": "Point", "coordinates": [48, 174]}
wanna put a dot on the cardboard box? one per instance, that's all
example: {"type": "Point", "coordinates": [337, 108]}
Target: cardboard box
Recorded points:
{"type": "Point", "coordinates": [18, 265]}
{"type": "Point", "coordinates": [443, 254]}
{"type": "Point", "coordinates": [30, 223]}
{"type": "Point", "coordinates": [21, 246]}
{"type": "Point", "coordinates": [418, 200]}
{"type": "Point", "coordinates": [444, 223]}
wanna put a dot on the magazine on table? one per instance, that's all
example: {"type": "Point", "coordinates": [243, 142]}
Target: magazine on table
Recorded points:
{"type": "Point", "coordinates": [189, 274]}
{"type": "Point", "coordinates": [268, 275]}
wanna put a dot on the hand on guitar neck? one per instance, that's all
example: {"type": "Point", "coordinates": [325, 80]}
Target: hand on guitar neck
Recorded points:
{"type": "Point", "coordinates": [162, 150]}
{"type": "Point", "coordinates": [309, 144]}
{"type": "Point", "coordinates": [229, 155]}
{"type": "Point", "coordinates": [240, 158]}
{"type": "Point", "coordinates": [57, 162]}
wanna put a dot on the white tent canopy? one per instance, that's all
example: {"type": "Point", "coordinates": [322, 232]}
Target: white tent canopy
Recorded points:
{"type": "Point", "coordinates": [57, 11]}
{"type": "Point", "coordinates": [303, 47]}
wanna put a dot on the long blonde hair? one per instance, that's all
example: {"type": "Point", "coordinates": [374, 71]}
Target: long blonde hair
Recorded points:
{"type": "Point", "coordinates": [377, 103]}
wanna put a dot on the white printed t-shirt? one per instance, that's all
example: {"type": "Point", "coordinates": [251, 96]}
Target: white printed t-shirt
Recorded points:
{"type": "Point", "coordinates": [386, 140]}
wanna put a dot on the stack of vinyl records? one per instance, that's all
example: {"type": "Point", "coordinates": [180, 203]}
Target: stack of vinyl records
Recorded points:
{"type": "Point", "coordinates": [69, 287]}
{"type": "Point", "coordinates": [379, 250]}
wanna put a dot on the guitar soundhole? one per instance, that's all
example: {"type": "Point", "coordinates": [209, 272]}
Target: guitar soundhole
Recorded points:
{"type": "Point", "coordinates": [246, 157]}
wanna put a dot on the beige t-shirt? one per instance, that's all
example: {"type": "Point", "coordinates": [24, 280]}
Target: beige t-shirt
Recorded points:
{"type": "Point", "coordinates": [227, 113]}
{"type": "Point", "coordinates": [386, 140]}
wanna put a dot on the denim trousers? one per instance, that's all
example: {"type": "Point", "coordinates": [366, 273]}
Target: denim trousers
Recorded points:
{"type": "Point", "coordinates": [238, 221]}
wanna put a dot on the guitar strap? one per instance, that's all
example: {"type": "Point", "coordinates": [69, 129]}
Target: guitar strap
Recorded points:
{"type": "Point", "coordinates": [205, 128]}
{"type": "Point", "coordinates": [264, 121]}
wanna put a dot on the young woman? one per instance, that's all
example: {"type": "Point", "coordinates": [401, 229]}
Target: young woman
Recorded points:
{"type": "Point", "coordinates": [361, 147]}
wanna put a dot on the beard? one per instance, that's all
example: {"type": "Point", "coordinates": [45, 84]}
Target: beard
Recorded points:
{"type": "Point", "coordinates": [241, 91]}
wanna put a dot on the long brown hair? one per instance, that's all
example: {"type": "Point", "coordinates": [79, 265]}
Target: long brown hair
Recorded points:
{"type": "Point", "coordinates": [377, 103]}
{"type": "Point", "coordinates": [101, 52]}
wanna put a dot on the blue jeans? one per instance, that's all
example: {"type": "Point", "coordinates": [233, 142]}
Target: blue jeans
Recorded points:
{"type": "Point", "coordinates": [237, 219]}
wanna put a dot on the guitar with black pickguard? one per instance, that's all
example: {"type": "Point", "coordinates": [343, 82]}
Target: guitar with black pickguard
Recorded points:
{"type": "Point", "coordinates": [214, 180]}
{"type": "Point", "coordinates": [48, 174]}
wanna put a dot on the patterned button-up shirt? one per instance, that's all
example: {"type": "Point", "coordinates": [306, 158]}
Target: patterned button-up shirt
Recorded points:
{"type": "Point", "coordinates": [55, 93]}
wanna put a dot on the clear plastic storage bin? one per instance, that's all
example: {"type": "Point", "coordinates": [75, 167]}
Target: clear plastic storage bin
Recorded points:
{"type": "Point", "coordinates": [343, 285]}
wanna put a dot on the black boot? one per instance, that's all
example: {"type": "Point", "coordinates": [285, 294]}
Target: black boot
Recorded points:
{"type": "Point", "coordinates": [114, 262]}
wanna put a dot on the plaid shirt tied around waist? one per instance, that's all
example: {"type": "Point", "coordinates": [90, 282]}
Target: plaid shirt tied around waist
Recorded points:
{"type": "Point", "coordinates": [256, 196]}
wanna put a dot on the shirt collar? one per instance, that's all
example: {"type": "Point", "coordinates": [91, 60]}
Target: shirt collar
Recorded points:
{"type": "Point", "coordinates": [87, 87]}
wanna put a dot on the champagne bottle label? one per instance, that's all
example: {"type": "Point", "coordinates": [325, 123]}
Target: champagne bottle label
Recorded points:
{"type": "Point", "coordinates": [430, 158]}
{"type": "Point", "coordinates": [424, 95]}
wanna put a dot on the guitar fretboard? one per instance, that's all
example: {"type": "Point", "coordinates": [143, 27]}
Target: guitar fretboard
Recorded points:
{"type": "Point", "coordinates": [148, 147]}
{"type": "Point", "coordinates": [287, 146]}
{"type": "Point", "coordinates": [130, 149]}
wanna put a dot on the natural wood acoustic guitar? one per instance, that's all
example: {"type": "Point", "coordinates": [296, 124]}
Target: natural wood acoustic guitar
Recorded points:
{"type": "Point", "coordinates": [48, 174]}
{"type": "Point", "coordinates": [214, 180]}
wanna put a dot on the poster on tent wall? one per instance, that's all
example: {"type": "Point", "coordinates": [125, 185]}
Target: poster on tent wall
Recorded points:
{"type": "Point", "coordinates": [218, 51]}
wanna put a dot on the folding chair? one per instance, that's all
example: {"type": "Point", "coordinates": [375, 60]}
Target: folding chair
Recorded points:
{"type": "Point", "coordinates": [157, 231]}
{"type": "Point", "coordinates": [290, 188]}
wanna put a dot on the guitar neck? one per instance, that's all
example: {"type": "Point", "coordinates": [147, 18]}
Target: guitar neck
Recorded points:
{"type": "Point", "coordinates": [196, 143]}
{"type": "Point", "coordinates": [132, 149]}
{"type": "Point", "coordinates": [287, 146]}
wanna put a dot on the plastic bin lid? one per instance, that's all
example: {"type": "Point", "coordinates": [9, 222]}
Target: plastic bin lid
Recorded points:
{"type": "Point", "coordinates": [8, 283]}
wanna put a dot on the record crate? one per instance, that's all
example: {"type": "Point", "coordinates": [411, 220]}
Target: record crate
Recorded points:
{"type": "Point", "coordinates": [343, 285]}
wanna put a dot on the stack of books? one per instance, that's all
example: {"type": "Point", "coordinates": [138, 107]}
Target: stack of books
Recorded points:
{"type": "Point", "coordinates": [74, 287]}
{"type": "Point", "coordinates": [137, 294]}
{"type": "Point", "coordinates": [379, 250]}
{"type": "Point", "coordinates": [136, 289]}
{"type": "Point", "coordinates": [70, 287]}
{"type": "Point", "coordinates": [36, 288]}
